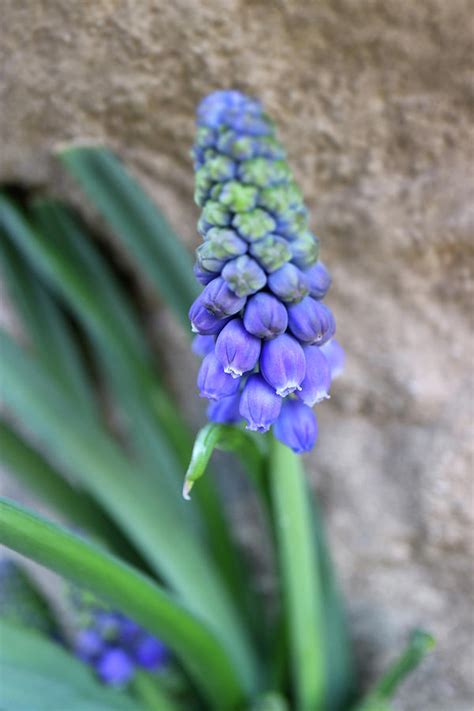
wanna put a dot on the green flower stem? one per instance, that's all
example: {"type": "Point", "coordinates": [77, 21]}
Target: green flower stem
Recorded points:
{"type": "Point", "coordinates": [299, 573]}
{"type": "Point", "coordinates": [130, 591]}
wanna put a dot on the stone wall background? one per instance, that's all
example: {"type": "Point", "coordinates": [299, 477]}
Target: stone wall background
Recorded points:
{"type": "Point", "coordinates": [374, 103]}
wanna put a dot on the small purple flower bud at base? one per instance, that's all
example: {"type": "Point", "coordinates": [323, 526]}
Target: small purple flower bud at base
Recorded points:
{"type": "Point", "coordinates": [315, 386]}
{"type": "Point", "coordinates": [259, 405]}
{"type": "Point", "coordinates": [202, 321]}
{"type": "Point", "coordinates": [202, 275]}
{"type": "Point", "coordinates": [236, 349]}
{"type": "Point", "coordinates": [88, 644]}
{"type": "Point", "coordinates": [225, 411]}
{"type": "Point", "coordinates": [244, 276]}
{"type": "Point", "coordinates": [311, 321]}
{"type": "Point", "coordinates": [265, 316]}
{"type": "Point", "coordinates": [319, 280]}
{"type": "Point", "coordinates": [150, 653]}
{"type": "Point", "coordinates": [212, 382]}
{"type": "Point", "coordinates": [336, 357]}
{"type": "Point", "coordinates": [129, 630]}
{"type": "Point", "coordinates": [108, 624]}
{"type": "Point", "coordinates": [297, 426]}
{"type": "Point", "coordinates": [288, 283]}
{"type": "Point", "coordinates": [282, 364]}
{"type": "Point", "coordinates": [202, 345]}
{"type": "Point", "coordinates": [221, 301]}
{"type": "Point", "coordinates": [115, 667]}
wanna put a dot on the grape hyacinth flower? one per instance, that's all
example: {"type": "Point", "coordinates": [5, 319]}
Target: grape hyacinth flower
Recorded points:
{"type": "Point", "coordinates": [263, 331]}
{"type": "Point", "coordinates": [116, 646]}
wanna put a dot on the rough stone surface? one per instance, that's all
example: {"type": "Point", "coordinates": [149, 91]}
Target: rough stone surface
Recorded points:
{"type": "Point", "coordinates": [374, 103]}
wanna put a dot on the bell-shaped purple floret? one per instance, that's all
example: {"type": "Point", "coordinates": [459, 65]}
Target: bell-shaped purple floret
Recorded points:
{"type": "Point", "coordinates": [202, 275]}
{"type": "Point", "coordinates": [259, 405]}
{"type": "Point", "coordinates": [297, 426]}
{"type": "Point", "coordinates": [212, 382]}
{"type": "Point", "coordinates": [265, 316]}
{"type": "Point", "coordinates": [202, 345]}
{"type": "Point", "coordinates": [220, 300]}
{"type": "Point", "coordinates": [282, 364]}
{"type": "Point", "coordinates": [336, 357]}
{"type": "Point", "coordinates": [150, 653]}
{"type": "Point", "coordinates": [244, 276]}
{"type": "Point", "coordinates": [225, 411]}
{"type": "Point", "coordinates": [319, 280]}
{"type": "Point", "coordinates": [129, 630]}
{"type": "Point", "coordinates": [203, 321]}
{"type": "Point", "coordinates": [315, 386]}
{"type": "Point", "coordinates": [88, 644]}
{"type": "Point", "coordinates": [115, 667]}
{"type": "Point", "coordinates": [236, 349]}
{"type": "Point", "coordinates": [288, 283]}
{"type": "Point", "coordinates": [311, 321]}
{"type": "Point", "coordinates": [108, 623]}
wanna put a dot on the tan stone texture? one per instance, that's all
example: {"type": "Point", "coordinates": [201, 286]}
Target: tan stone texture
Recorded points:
{"type": "Point", "coordinates": [374, 104]}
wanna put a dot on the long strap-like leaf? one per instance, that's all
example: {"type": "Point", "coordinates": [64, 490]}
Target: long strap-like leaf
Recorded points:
{"type": "Point", "coordinates": [157, 526]}
{"type": "Point", "coordinates": [74, 506]}
{"type": "Point", "coordinates": [45, 325]}
{"type": "Point", "coordinates": [65, 256]}
{"type": "Point", "coordinates": [129, 591]}
{"type": "Point", "coordinates": [132, 215]}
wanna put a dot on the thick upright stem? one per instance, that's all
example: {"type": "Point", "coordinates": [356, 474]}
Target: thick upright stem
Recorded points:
{"type": "Point", "coordinates": [299, 575]}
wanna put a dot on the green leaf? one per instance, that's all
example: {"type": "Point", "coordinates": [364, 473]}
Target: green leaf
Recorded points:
{"type": "Point", "coordinates": [46, 326]}
{"type": "Point", "coordinates": [38, 674]}
{"type": "Point", "coordinates": [157, 431]}
{"type": "Point", "coordinates": [129, 591]}
{"type": "Point", "coordinates": [300, 576]}
{"type": "Point", "coordinates": [21, 601]}
{"type": "Point", "coordinates": [157, 526]}
{"type": "Point", "coordinates": [66, 258]}
{"type": "Point", "coordinates": [229, 439]}
{"type": "Point", "coordinates": [73, 505]}
{"type": "Point", "coordinates": [419, 645]}
{"type": "Point", "coordinates": [138, 223]}
{"type": "Point", "coordinates": [149, 689]}
{"type": "Point", "coordinates": [339, 668]}
{"type": "Point", "coordinates": [59, 257]}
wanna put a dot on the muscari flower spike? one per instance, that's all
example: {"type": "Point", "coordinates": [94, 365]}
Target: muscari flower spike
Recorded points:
{"type": "Point", "coordinates": [114, 645]}
{"type": "Point", "coordinates": [266, 338]}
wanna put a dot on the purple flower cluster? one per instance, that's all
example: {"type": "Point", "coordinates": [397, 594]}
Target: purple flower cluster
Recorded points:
{"type": "Point", "coordinates": [115, 646]}
{"type": "Point", "coordinates": [264, 333]}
